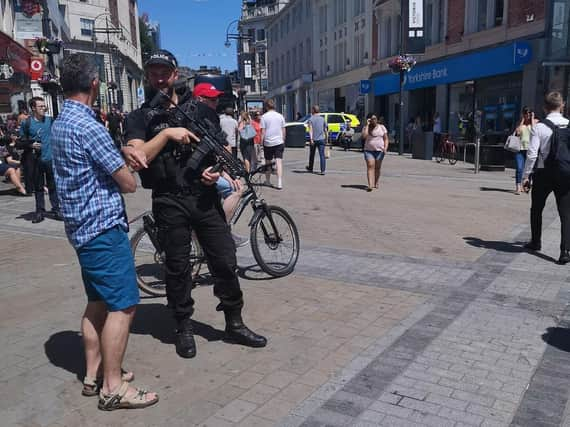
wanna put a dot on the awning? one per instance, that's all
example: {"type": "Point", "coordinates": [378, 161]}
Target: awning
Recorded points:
{"type": "Point", "coordinates": [14, 54]}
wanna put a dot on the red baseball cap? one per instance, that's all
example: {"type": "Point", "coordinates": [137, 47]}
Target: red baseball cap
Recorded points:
{"type": "Point", "coordinates": [207, 90]}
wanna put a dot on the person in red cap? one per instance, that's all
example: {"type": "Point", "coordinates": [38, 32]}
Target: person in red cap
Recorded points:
{"type": "Point", "coordinates": [186, 200]}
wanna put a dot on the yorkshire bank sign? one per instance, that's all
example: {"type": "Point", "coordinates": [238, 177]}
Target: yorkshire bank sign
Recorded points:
{"type": "Point", "coordinates": [425, 76]}
{"type": "Point", "coordinates": [509, 58]}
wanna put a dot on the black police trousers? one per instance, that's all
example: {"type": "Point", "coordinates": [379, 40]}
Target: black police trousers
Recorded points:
{"type": "Point", "coordinates": [38, 174]}
{"type": "Point", "coordinates": [544, 182]}
{"type": "Point", "coordinates": [176, 216]}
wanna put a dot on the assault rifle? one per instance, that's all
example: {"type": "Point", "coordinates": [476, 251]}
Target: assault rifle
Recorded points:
{"type": "Point", "coordinates": [211, 142]}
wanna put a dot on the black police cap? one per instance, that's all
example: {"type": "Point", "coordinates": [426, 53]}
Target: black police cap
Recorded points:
{"type": "Point", "coordinates": [162, 57]}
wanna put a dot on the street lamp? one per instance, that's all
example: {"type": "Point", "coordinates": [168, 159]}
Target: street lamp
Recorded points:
{"type": "Point", "coordinates": [106, 30]}
{"type": "Point", "coordinates": [241, 65]}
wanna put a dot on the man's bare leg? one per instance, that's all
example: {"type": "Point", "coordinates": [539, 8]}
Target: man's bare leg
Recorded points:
{"type": "Point", "coordinates": [279, 165]}
{"type": "Point", "coordinates": [113, 345]}
{"type": "Point", "coordinates": [230, 204]}
{"type": "Point", "coordinates": [91, 328]}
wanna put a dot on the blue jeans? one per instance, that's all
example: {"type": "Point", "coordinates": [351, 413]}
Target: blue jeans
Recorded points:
{"type": "Point", "coordinates": [519, 160]}
{"type": "Point", "coordinates": [320, 144]}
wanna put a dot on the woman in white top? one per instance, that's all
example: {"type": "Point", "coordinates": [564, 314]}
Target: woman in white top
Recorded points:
{"type": "Point", "coordinates": [376, 142]}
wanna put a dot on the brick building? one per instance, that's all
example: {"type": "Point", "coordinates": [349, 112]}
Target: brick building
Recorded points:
{"type": "Point", "coordinates": [484, 60]}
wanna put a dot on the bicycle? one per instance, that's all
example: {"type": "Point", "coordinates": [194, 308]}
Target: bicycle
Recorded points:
{"type": "Point", "coordinates": [447, 150]}
{"type": "Point", "coordinates": [273, 236]}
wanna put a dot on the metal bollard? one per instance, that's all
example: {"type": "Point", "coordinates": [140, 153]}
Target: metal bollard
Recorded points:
{"type": "Point", "coordinates": [477, 146]}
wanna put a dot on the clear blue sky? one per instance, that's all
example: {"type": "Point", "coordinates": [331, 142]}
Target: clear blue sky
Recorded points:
{"type": "Point", "coordinates": [195, 30]}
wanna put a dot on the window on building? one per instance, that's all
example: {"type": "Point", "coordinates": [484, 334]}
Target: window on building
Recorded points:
{"type": "Point", "coordinates": [261, 34]}
{"type": "Point", "coordinates": [264, 85]}
{"type": "Point", "coordinates": [434, 15]}
{"type": "Point", "coordinates": [294, 62]}
{"type": "Point", "coordinates": [86, 27]}
{"type": "Point", "coordinates": [483, 14]}
{"type": "Point", "coordinates": [288, 69]}
{"type": "Point", "coordinates": [251, 34]}
{"type": "Point", "coordinates": [261, 59]}
{"type": "Point", "coordinates": [133, 22]}
{"type": "Point", "coordinates": [359, 6]}
{"type": "Point", "coordinates": [301, 56]}
{"type": "Point", "coordinates": [114, 11]}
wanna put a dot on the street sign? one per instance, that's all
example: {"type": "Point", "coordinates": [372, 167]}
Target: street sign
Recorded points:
{"type": "Point", "coordinates": [414, 33]}
{"type": "Point", "coordinates": [365, 87]}
{"type": "Point", "coordinates": [36, 68]}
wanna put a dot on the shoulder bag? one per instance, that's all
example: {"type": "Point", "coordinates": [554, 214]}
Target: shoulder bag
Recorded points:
{"type": "Point", "coordinates": [513, 143]}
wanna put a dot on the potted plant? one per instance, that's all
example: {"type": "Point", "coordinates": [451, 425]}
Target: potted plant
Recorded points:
{"type": "Point", "coordinates": [401, 63]}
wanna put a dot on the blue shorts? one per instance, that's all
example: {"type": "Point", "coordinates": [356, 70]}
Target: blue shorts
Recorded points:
{"type": "Point", "coordinates": [376, 155]}
{"type": "Point", "coordinates": [224, 187]}
{"type": "Point", "coordinates": [108, 270]}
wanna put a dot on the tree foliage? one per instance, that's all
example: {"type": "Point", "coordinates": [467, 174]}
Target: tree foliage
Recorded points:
{"type": "Point", "coordinates": [147, 43]}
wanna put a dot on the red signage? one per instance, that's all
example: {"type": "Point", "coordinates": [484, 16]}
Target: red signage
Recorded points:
{"type": "Point", "coordinates": [36, 68]}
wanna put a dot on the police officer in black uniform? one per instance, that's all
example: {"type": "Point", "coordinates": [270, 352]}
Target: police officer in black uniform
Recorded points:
{"type": "Point", "coordinates": [184, 200]}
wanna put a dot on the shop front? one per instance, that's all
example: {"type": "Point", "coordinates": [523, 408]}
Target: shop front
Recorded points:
{"type": "Point", "coordinates": [14, 75]}
{"type": "Point", "coordinates": [478, 91]}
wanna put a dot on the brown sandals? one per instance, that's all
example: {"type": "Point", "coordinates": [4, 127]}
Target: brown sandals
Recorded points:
{"type": "Point", "coordinates": [119, 400]}
{"type": "Point", "coordinates": [91, 386]}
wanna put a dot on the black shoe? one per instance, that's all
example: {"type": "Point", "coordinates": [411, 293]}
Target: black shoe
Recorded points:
{"type": "Point", "coordinates": [38, 217]}
{"type": "Point", "coordinates": [532, 246]}
{"type": "Point", "coordinates": [185, 344]}
{"type": "Point", "coordinates": [237, 332]}
{"type": "Point", "coordinates": [56, 215]}
{"type": "Point", "coordinates": [308, 169]}
{"type": "Point", "coordinates": [564, 257]}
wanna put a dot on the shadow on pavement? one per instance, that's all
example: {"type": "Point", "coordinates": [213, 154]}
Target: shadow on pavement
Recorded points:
{"type": "Point", "coordinates": [510, 247]}
{"type": "Point", "coordinates": [496, 245]}
{"type": "Point", "coordinates": [65, 350]}
{"type": "Point", "coordinates": [253, 272]}
{"type": "Point", "coordinates": [301, 171]}
{"type": "Point", "coordinates": [557, 337]}
{"type": "Point", "coordinates": [354, 186]}
{"type": "Point", "coordinates": [500, 190]}
{"type": "Point", "coordinates": [156, 320]}
{"type": "Point", "coordinates": [28, 216]}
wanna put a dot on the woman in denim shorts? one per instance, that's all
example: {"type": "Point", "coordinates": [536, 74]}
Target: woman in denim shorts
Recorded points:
{"type": "Point", "coordinates": [376, 142]}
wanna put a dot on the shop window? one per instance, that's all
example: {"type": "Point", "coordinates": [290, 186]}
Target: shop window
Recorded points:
{"type": "Point", "coordinates": [86, 27]}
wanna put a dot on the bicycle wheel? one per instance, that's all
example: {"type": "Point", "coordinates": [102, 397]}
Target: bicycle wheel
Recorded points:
{"type": "Point", "coordinates": [452, 154]}
{"type": "Point", "coordinates": [275, 249]}
{"type": "Point", "coordinates": [149, 264]}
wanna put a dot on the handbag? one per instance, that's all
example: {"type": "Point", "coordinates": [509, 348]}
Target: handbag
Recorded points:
{"type": "Point", "coordinates": [513, 143]}
{"type": "Point", "coordinates": [248, 132]}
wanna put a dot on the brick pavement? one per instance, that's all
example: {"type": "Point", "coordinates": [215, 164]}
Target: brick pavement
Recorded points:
{"type": "Point", "coordinates": [409, 306]}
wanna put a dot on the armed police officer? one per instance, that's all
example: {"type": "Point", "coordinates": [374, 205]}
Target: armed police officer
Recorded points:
{"type": "Point", "coordinates": [183, 200]}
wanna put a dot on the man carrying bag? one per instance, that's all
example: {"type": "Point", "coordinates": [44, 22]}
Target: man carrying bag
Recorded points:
{"type": "Point", "coordinates": [548, 160]}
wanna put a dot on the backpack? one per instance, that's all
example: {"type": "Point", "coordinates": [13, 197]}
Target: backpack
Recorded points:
{"type": "Point", "coordinates": [558, 159]}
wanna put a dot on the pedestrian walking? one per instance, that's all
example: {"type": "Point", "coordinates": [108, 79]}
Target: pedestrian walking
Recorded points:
{"type": "Point", "coordinates": [90, 175]}
{"type": "Point", "coordinates": [318, 135]}
{"type": "Point", "coordinates": [230, 127]}
{"type": "Point", "coordinates": [185, 200]}
{"type": "Point", "coordinates": [246, 135]}
{"type": "Point", "coordinates": [35, 133]}
{"type": "Point", "coordinates": [375, 146]}
{"type": "Point", "coordinates": [273, 137]}
{"type": "Point", "coordinates": [523, 131]}
{"type": "Point", "coordinates": [257, 155]}
{"type": "Point", "coordinates": [436, 130]}
{"type": "Point", "coordinates": [546, 178]}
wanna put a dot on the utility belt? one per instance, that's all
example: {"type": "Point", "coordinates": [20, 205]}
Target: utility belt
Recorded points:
{"type": "Point", "coordinates": [195, 188]}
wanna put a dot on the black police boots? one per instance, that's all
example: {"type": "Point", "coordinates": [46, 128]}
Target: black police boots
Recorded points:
{"type": "Point", "coordinates": [238, 333]}
{"type": "Point", "coordinates": [185, 344]}
{"type": "Point", "coordinates": [564, 257]}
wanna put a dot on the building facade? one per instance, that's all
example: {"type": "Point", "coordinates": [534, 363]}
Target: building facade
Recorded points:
{"type": "Point", "coordinates": [252, 49]}
{"type": "Point", "coordinates": [290, 58]}
{"type": "Point", "coordinates": [342, 34]}
{"type": "Point", "coordinates": [482, 63]}
{"type": "Point", "coordinates": [109, 30]}
{"type": "Point", "coordinates": [32, 33]}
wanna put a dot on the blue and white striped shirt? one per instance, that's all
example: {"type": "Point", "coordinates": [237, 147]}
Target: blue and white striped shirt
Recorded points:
{"type": "Point", "coordinates": [84, 158]}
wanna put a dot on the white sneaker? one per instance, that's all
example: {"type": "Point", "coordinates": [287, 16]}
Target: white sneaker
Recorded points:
{"type": "Point", "coordinates": [239, 240]}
